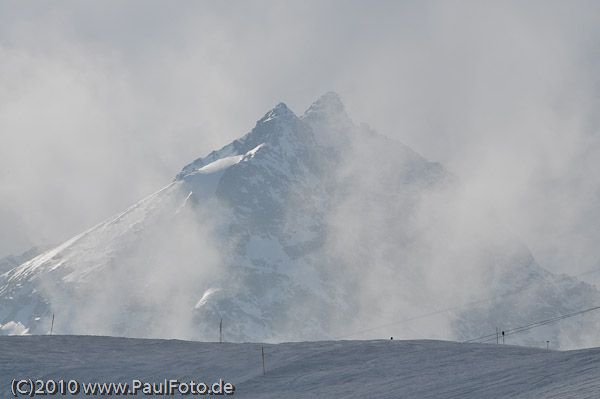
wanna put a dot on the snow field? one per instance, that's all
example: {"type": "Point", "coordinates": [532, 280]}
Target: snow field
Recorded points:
{"type": "Point", "coordinates": [324, 369]}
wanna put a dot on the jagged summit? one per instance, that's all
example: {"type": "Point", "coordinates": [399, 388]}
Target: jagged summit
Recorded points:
{"type": "Point", "coordinates": [328, 119]}
{"type": "Point", "coordinates": [327, 107]}
{"type": "Point", "coordinates": [281, 111]}
{"type": "Point", "coordinates": [275, 124]}
{"type": "Point", "coordinates": [328, 104]}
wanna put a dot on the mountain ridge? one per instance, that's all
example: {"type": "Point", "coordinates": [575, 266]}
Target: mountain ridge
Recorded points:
{"type": "Point", "coordinates": [304, 228]}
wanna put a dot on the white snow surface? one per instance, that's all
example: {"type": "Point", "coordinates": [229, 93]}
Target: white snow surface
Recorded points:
{"type": "Point", "coordinates": [221, 164]}
{"type": "Point", "coordinates": [12, 328]}
{"type": "Point", "coordinates": [205, 297]}
{"type": "Point", "coordinates": [320, 369]}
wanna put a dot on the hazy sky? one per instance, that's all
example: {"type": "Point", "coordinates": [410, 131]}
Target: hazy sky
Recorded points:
{"type": "Point", "coordinates": [102, 103]}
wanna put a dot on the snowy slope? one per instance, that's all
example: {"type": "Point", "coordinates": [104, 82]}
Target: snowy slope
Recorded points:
{"type": "Point", "coordinates": [11, 261]}
{"type": "Point", "coordinates": [326, 369]}
{"type": "Point", "coordinates": [306, 228]}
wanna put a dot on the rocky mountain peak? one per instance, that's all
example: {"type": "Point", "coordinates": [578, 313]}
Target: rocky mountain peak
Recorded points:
{"type": "Point", "coordinates": [329, 104]}
{"type": "Point", "coordinates": [280, 112]}
{"type": "Point", "coordinates": [329, 121]}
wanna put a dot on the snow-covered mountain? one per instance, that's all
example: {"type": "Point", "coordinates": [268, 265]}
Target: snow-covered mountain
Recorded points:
{"type": "Point", "coordinates": [305, 228]}
{"type": "Point", "coordinates": [11, 261]}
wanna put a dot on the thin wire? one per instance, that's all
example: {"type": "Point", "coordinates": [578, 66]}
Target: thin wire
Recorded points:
{"type": "Point", "coordinates": [487, 338]}
{"type": "Point", "coordinates": [431, 313]}
{"type": "Point", "coordinates": [530, 326]}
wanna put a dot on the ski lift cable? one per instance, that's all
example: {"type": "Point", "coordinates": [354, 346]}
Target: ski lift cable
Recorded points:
{"type": "Point", "coordinates": [526, 327]}
{"type": "Point", "coordinates": [551, 321]}
{"type": "Point", "coordinates": [543, 322]}
{"type": "Point", "coordinates": [530, 326]}
{"type": "Point", "coordinates": [411, 319]}
{"type": "Point", "coordinates": [433, 313]}
{"type": "Point", "coordinates": [516, 330]}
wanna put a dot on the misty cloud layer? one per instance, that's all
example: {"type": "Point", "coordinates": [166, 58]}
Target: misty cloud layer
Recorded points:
{"type": "Point", "coordinates": [285, 239]}
{"type": "Point", "coordinates": [143, 279]}
{"type": "Point", "coordinates": [101, 105]}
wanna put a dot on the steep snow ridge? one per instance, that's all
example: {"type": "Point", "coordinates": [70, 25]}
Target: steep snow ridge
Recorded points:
{"type": "Point", "coordinates": [76, 261]}
{"type": "Point", "coordinates": [224, 163]}
{"type": "Point", "coordinates": [280, 115]}
{"type": "Point", "coordinates": [227, 151]}
{"type": "Point", "coordinates": [220, 164]}
{"type": "Point", "coordinates": [133, 215]}
{"type": "Point", "coordinates": [11, 261]}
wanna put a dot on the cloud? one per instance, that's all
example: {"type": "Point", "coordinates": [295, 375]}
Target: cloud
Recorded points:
{"type": "Point", "coordinates": [140, 274]}
{"type": "Point", "coordinates": [101, 104]}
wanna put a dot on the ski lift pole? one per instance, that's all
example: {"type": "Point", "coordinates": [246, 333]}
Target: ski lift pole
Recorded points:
{"type": "Point", "coordinates": [221, 331]}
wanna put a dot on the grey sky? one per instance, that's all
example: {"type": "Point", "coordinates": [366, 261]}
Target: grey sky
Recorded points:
{"type": "Point", "coordinates": [103, 103]}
